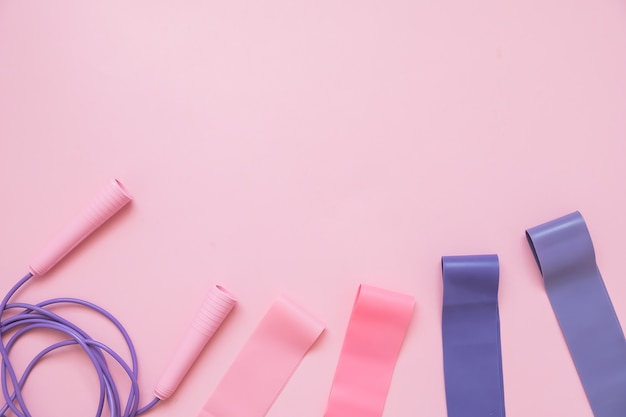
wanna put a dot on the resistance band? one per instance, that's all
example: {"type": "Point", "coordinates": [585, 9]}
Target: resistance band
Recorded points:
{"type": "Point", "coordinates": [471, 336]}
{"type": "Point", "coordinates": [564, 252]}
{"type": "Point", "coordinates": [378, 324]}
{"type": "Point", "coordinates": [265, 363]}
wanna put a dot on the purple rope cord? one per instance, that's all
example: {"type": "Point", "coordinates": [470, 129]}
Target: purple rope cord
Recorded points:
{"type": "Point", "coordinates": [33, 317]}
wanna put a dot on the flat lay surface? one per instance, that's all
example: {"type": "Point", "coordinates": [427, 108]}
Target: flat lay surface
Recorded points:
{"type": "Point", "coordinates": [303, 148]}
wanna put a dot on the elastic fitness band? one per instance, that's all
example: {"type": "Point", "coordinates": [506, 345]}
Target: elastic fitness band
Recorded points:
{"type": "Point", "coordinates": [472, 354]}
{"type": "Point", "coordinates": [566, 258]}
{"type": "Point", "coordinates": [18, 319]}
{"type": "Point", "coordinates": [378, 324]}
{"type": "Point", "coordinates": [265, 363]}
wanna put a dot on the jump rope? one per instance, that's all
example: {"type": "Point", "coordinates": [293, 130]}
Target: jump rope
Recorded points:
{"type": "Point", "coordinates": [18, 319]}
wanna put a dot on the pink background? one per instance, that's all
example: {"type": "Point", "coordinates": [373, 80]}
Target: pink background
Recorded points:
{"type": "Point", "coordinates": [304, 147]}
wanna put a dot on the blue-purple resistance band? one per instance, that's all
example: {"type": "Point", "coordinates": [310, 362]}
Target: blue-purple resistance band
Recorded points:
{"type": "Point", "coordinates": [564, 252]}
{"type": "Point", "coordinates": [471, 336]}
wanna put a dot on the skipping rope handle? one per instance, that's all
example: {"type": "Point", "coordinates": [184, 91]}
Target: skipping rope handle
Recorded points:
{"type": "Point", "coordinates": [100, 209]}
{"type": "Point", "coordinates": [216, 306]}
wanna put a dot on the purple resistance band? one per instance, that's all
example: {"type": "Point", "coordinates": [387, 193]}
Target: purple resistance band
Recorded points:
{"type": "Point", "coordinates": [471, 336]}
{"type": "Point", "coordinates": [564, 252]}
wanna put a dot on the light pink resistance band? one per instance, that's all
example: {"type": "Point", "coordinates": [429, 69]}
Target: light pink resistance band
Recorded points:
{"type": "Point", "coordinates": [379, 321]}
{"type": "Point", "coordinates": [265, 363]}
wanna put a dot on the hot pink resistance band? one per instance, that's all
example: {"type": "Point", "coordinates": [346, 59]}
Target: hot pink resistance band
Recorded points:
{"type": "Point", "coordinates": [265, 363]}
{"type": "Point", "coordinates": [379, 321]}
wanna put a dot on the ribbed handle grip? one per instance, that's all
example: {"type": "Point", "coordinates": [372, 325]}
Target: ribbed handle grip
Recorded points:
{"type": "Point", "coordinates": [217, 305]}
{"type": "Point", "coordinates": [104, 205]}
